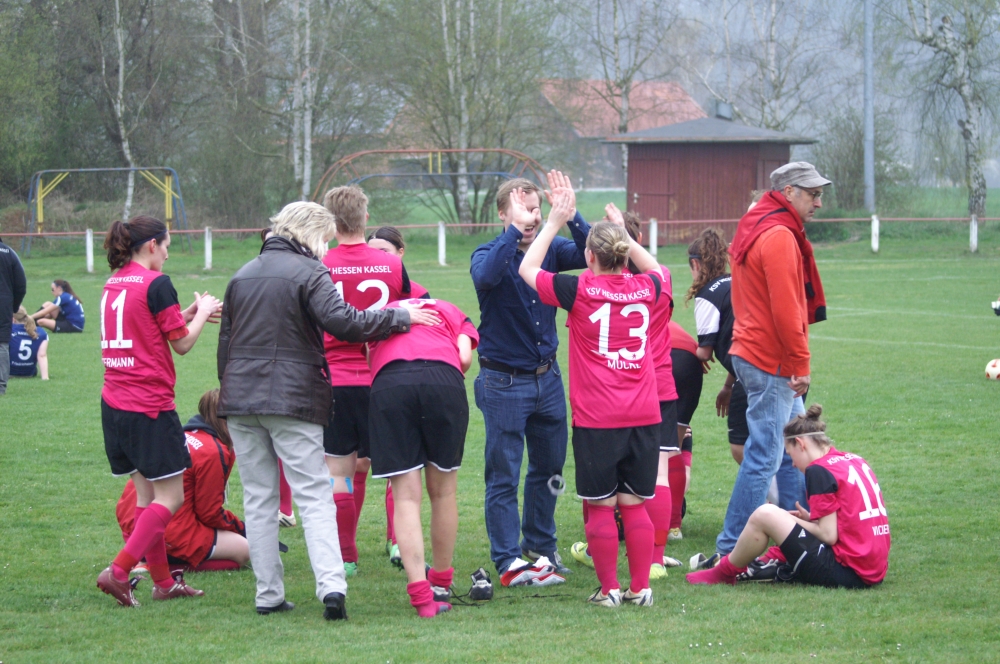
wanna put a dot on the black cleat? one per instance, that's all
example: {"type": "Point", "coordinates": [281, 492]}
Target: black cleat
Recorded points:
{"type": "Point", "coordinates": [336, 608]}
{"type": "Point", "coordinates": [268, 610]}
{"type": "Point", "coordinates": [482, 587]}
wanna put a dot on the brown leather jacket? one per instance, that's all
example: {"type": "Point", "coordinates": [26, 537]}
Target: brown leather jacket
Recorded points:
{"type": "Point", "coordinates": [271, 359]}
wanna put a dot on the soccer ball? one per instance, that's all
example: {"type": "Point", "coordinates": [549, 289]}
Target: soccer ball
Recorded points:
{"type": "Point", "coordinates": [993, 370]}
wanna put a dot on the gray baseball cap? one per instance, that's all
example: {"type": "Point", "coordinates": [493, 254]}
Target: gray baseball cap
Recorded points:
{"type": "Point", "coordinates": [799, 174]}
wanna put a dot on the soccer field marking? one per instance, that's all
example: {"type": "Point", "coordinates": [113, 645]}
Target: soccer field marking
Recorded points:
{"type": "Point", "coordinates": [856, 311]}
{"type": "Point", "coordinates": [891, 342]}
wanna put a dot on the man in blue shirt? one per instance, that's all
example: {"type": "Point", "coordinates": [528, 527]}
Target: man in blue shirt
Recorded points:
{"type": "Point", "coordinates": [519, 390]}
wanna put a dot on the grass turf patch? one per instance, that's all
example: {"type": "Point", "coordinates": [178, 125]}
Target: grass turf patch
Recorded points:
{"type": "Point", "coordinates": [898, 368]}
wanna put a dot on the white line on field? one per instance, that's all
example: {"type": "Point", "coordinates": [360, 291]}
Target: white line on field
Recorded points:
{"type": "Point", "coordinates": [929, 314]}
{"type": "Point", "coordinates": [890, 342]}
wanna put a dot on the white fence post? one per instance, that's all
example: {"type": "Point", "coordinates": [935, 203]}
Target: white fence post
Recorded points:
{"type": "Point", "coordinates": [90, 251]}
{"type": "Point", "coordinates": [442, 246]}
{"type": "Point", "coordinates": [653, 240]}
{"type": "Point", "coordinates": [973, 234]}
{"type": "Point", "coordinates": [874, 233]}
{"type": "Point", "coordinates": [208, 248]}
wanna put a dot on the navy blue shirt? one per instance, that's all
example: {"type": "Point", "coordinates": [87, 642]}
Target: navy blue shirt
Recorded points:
{"type": "Point", "coordinates": [515, 328]}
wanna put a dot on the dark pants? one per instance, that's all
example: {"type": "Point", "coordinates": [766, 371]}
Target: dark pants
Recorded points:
{"type": "Point", "coordinates": [521, 409]}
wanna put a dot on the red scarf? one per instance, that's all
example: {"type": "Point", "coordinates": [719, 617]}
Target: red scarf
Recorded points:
{"type": "Point", "coordinates": [773, 210]}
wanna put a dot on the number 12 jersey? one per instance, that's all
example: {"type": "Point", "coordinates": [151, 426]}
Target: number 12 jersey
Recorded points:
{"type": "Point", "coordinates": [612, 383]}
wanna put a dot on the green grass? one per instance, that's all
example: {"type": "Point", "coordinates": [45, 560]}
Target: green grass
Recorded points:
{"type": "Point", "coordinates": [898, 368]}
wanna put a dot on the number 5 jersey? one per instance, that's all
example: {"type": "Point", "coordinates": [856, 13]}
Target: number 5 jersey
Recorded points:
{"type": "Point", "coordinates": [842, 482]}
{"type": "Point", "coordinates": [140, 314]}
{"type": "Point", "coordinates": [612, 383]}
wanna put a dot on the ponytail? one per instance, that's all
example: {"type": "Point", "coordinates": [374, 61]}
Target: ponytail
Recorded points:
{"type": "Point", "coordinates": [66, 288]}
{"type": "Point", "coordinates": [124, 238]}
{"type": "Point", "coordinates": [809, 424]}
{"type": "Point", "coordinates": [709, 248]}
{"type": "Point", "coordinates": [609, 244]}
{"type": "Point", "coordinates": [21, 316]}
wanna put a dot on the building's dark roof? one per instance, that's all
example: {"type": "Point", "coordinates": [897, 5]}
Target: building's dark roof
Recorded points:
{"type": "Point", "coordinates": [708, 130]}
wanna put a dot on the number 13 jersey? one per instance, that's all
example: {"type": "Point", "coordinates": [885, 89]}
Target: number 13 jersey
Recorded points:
{"type": "Point", "coordinates": [140, 314]}
{"type": "Point", "coordinates": [367, 279]}
{"type": "Point", "coordinates": [612, 383]}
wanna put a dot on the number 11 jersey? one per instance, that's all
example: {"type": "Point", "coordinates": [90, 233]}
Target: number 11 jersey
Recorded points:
{"type": "Point", "coordinates": [140, 314]}
{"type": "Point", "coordinates": [367, 279]}
{"type": "Point", "coordinates": [612, 383]}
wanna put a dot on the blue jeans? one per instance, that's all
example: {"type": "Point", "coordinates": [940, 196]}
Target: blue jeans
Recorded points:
{"type": "Point", "coordinates": [519, 409]}
{"type": "Point", "coordinates": [770, 405]}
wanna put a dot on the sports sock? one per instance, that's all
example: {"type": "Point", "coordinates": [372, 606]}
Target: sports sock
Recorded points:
{"type": "Point", "coordinates": [360, 484]}
{"type": "Point", "coordinates": [284, 491]}
{"type": "Point", "coordinates": [586, 512]}
{"type": "Point", "coordinates": [638, 544]}
{"type": "Point", "coordinates": [148, 527]}
{"type": "Point", "coordinates": [159, 567]}
{"type": "Point", "coordinates": [658, 508]}
{"type": "Point", "coordinates": [678, 477]}
{"type": "Point", "coordinates": [390, 513]}
{"type": "Point", "coordinates": [602, 542]}
{"type": "Point", "coordinates": [441, 579]}
{"type": "Point", "coordinates": [724, 572]}
{"type": "Point", "coordinates": [220, 565]}
{"type": "Point", "coordinates": [347, 525]}
{"type": "Point", "coordinates": [422, 599]}
{"type": "Point", "coordinates": [135, 519]}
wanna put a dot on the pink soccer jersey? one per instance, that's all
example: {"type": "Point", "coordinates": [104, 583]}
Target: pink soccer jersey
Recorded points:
{"type": "Point", "coordinates": [416, 290]}
{"type": "Point", "coordinates": [679, 338]}
{"type": "Point", "coordinates": [659, 339]}
{"type": "Point", "coordinates": [435, 343]}
{"type": "Point", "coordinates": [611, 365]}
{"type": "Point", "coordinates": [367, 279]}
{"type": "Point", "coordinates": [139, 316]}
{"type": "Point", "coordinates": [842, 482]}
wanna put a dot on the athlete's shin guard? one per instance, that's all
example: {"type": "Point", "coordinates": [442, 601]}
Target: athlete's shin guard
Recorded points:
{"type": "Point", "coordinates": [658, 508]}
{"type": "Point", "coordinates": [602, 543]}
{"type": "Point", "coordinates": [678, 478]}
{"type": "Point", "coordinates": [638, 544]}
{"type": "Point", "coordinates": [347, 525]}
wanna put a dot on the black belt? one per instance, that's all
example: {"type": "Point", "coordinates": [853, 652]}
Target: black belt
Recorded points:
{"type": "Point", "coordinates": [507, 369]}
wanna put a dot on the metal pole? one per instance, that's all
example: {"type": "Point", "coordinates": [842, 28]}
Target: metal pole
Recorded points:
{"type": "Point", "coordinates": [874, 233]}
{"type": "Point", "coordinates": [441, 245]}
{"type": "Point", "coordinates": [90, 250]}
{"type": "Point", "coordinates": [973, 234]}
{"type": "Point", "coordinates": [869, 106]}
{"type": "Point", "coordinates": [653, 240]}
{"type": "Point", "coordinates": [208, 248]}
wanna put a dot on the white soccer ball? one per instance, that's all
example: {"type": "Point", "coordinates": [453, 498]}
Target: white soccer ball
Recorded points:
{"type": "Point", "coordinates": [993, 370]}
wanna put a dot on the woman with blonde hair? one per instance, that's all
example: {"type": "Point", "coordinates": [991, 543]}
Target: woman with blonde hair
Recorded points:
{"type": "Point", "coordinates": [29, 347]}
{"type": "Point", "coordinates": [276, 392]}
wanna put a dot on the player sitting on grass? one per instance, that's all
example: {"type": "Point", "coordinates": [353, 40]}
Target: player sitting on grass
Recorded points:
{"type": "Point", "coordinates": [30, 355]}
{"type": "Point", "coordinates": [419, 417]}
{"type": "Point", "coordinates": [842, 543]}
{"type": "Point", "coordinates": [64, 313]}
{"type": "Point", "coordinates": [141, 321]}
{"type": "Point", "coordinates": [612, 390]}
{"type": "Point", "coordinates": [203, 536]}
{"type": "Point", "coordinates": [367, 279]}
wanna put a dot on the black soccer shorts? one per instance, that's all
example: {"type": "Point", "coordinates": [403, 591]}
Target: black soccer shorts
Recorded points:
{"type": "Point", "coordinates": [347, 431]}
{"type": "Point", "coordinates": [134, 441]}
{"type": "Point", "coordinates": [814, 563]}
{"type": "Point", "coordinates": [610, 461]}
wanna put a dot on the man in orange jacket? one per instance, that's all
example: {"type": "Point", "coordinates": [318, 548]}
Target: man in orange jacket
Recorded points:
{"type": "Point", "coordinates": [776, 294]}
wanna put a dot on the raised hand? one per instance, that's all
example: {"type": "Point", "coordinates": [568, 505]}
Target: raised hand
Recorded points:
{"type": "Point", "coordinates": [209, 306]}
{"type": "Point", "coordinates": [614, 215]}
{"type": "Point", "coordinates": [520, 217]}
{"type": "Point", "coordinates": [562, 207]}
{"type": "Point", "coordinates": [558, 181]}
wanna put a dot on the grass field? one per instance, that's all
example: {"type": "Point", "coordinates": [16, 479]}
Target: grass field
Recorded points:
{"type": "Point", "coordinates": [898, 368]}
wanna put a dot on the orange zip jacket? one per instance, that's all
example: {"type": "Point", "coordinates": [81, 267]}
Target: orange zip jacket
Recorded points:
{"type": "Point", "coordinates": [771, 330]}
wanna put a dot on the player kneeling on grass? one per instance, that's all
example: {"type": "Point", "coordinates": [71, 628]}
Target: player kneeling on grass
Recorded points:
{"type": "Point", "coordinates": [612, 391]}
{"type": "Point", "coordinates": [843, 543]}
{"type": "Point", "coordinates": [203, 536]}
{"type": "Point", "coordinates": [418, 418]}
{"type": "Point", "coordinates": [141, 321]}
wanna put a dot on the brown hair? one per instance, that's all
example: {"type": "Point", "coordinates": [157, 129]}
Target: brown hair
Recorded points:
{"type": "Point", "coordinates": [208, 407]}
{"type": "Point", "coordinates": [390, 234]}
{"type": "Point", "coordinates": [809, 424]}
{"type": "Point", "coordinates": [21, 316]}
{"type": "Point", "coordinates": [349, 206]}
{"type": "Point", "coordinates": [632, 224]}
{"type": "Point", "coordinates": [709, 248]}
{"type": "Point", "coordinates": [66, 288]}
{"type": "Point", "coordinates": [503, 193]}
{"type": "Point", "coordinates": [124, 238]}
{"type": "Point", "coordinates": [609, 244]}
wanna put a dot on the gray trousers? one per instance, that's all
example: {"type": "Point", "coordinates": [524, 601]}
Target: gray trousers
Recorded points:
{"type": "Point", "coordinates": [4, 366]}
{"type": "Point", "coordinates": [259, 440]}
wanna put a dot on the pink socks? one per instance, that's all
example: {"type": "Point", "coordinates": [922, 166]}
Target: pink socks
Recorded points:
{"type": "Point", "coordinates": [678, 480]}
{"type": "Point", "coordinates": [658, 508]}
{"type": "Point", "coordinates": [347, 526]}
{"type": "Point", "coordinates": [602, 543]}
{"type": "Point", "coordinates": [390, 513]}
{"type": "Point", "coordinates": [360, 484]}
{"type": "Point", "coordinates": [638, 543]}
{"type": "Point", "coordinates": [422, 599]}
{"type": "Point", "coordinates": [284, 491]}
{"type": "Point", "coordinates": [441, 579]}
{"type": "Point", "coordinates": [146, 540]}
{"type": "Point", "coordinates": [724, 572]}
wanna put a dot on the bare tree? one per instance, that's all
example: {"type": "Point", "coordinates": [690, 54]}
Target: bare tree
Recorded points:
{"type": "Point", "coordinates": [957, 68]}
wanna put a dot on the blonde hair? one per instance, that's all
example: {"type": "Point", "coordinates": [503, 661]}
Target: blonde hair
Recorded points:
{"type": "Point", "coordinates": [21, 316]}
{"type": "Point", "coordinates": [503, 193]}
{"type": "Point", "coordinates": [609, 244]}
{"type": "Point", "coordinates": [309, 224]}
{"type": "Point", "coordinates": [349, 206]}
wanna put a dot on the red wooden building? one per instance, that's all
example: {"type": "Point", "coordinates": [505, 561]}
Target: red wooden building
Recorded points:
{"type": "Point", "coordinates": [700, 169]}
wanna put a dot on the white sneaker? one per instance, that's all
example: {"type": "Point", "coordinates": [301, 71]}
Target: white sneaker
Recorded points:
{"type": "Point", "coordinates": [675, 535]}
{"type": "Point", "coordinates": [699, 561]}
{"type": "Point", "coordinates": [642, 598]}
{"type": "Point", "coordinates": [612, 600]}
{"type": "Point", "coordinates": [523, 573]}
{"type": "Point", "coordinates": [286, 520]}
{"type": "Point", "coordinates": [671, 562]}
